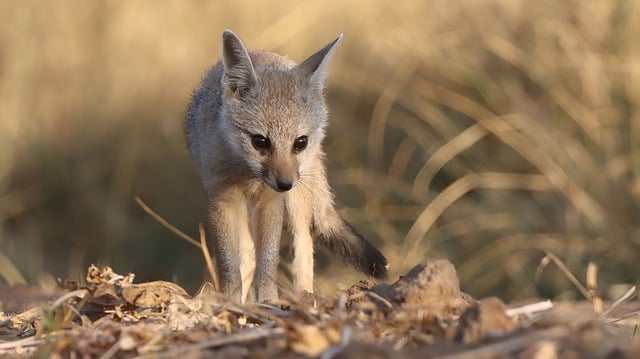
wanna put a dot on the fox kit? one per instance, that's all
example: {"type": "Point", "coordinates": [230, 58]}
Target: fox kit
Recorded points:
{"type": "Point", "coordinates": [254, 128]}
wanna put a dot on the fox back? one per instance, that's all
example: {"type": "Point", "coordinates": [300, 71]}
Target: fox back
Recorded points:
{"type": "Point", "coordinates": [255, 128]}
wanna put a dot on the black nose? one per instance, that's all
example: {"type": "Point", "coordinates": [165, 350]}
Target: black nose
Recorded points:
{"type": "Point", "coordinates": [284, 185]}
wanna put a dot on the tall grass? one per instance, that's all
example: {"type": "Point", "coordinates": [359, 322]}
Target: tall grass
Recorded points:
{"type": "Point", "coordinates": [486, 132]}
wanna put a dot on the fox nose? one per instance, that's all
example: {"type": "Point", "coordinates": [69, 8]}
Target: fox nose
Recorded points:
{"type": "Point", "coordinates": [284, 185]}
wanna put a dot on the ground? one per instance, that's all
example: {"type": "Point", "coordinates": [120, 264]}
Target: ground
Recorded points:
{"type": "Point", "coordinates": [421, 315]}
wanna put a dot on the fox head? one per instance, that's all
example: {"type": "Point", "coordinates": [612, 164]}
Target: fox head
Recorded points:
{"type": "Point", "coordinates": [275, 110]}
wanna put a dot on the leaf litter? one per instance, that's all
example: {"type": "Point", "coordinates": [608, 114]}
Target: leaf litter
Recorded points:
{"type": "Point", "coordinates": [423, 314]}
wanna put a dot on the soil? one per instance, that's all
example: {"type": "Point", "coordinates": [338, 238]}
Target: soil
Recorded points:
{"type": "Point", "coordinates": [422, 315]}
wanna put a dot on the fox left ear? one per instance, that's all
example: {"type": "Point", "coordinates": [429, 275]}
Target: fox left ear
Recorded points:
{"type": "Point", "coordinates": [240, 76]}
{"type": "Point", "coordinates": [315, 68]}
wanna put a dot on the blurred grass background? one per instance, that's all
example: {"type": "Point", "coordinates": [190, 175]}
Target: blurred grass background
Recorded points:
{"type": "Point", "coordinates": [486, 132]}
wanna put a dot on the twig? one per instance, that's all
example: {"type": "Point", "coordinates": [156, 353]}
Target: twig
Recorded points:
{"type": "Point", "coordinates": [207, 258]}
{"type": "Point", "coordinates": [592, 287]}
{"type": "Point", "coordinates": [377, 296]}
{"type": "Point", "coordinates": [510, 345]}
{"type": "Point", "coordinates": [242, 337]}
{"type": "Point", "coordinates": [21, 343]}
{"type": "Point", "coordinates": [625, 316]}
{"type": "Point", "coordinates": [568, 273]}
{"type": "Point", "coordinates": [256, 312]}
{"type": "Point", "coordinates": [76, 293]}
{"type": "Point", "coordinates": [626, 296]}
{"type": "Point", "coordinates": [166, 224]}
{"type": "Point", "coordinates": [530, 308]}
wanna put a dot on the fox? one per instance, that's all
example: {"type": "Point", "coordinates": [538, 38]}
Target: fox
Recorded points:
{"type": "Point", "coordinates": [254, 128]}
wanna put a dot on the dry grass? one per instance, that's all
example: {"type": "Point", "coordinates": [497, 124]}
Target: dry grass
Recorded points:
{"type": "Point", "coordinates": [488, 132]}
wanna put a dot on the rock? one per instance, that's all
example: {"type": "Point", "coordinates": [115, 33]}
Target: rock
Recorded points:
{"type": "Point", "coordinates": [431, 285]}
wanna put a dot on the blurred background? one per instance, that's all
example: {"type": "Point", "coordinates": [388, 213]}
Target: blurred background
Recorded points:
{"type": "Point", "coordinates": [486, 132]}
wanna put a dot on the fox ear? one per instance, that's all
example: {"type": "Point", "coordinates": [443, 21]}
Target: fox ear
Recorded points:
{"type": "Point", "coordinates": [240, 75]}
{"type": "Point", "coordinates": [314, 70]}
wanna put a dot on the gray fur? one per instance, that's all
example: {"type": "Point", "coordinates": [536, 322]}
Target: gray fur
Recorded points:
{"type": "Point", "coordinates": [261, 93]}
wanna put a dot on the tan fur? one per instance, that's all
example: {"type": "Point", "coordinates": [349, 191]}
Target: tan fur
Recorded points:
{"type": "Point", "coordinates": [244, 127]}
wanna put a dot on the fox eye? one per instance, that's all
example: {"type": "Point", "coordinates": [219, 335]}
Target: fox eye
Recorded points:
{"type": "Point", "coordinates": [260, 142]}
{"type": "Point", "coordinates": [300, 143]}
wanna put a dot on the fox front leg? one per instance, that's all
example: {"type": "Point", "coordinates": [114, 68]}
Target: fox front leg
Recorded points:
{"type": "Point", "coordinates": [226, 253]}
{"type": "Point", "coordinates": [300, 214]}
{"type": "Point", "coordinates": [229, 226]}
{"type": "Point", "coordinates": [267, 220]}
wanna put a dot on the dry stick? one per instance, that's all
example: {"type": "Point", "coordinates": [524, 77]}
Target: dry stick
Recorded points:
{"type": "Point", "coordinates": [625, 316]}
{"type": "Point", "coordinates": [530, 309]}
{"type": "Point", "coordinates": [379, 297]}
{"type": "Point", "coordinates": [202, 244]}
{"type": "Point", "coordinates": [76, 293]}
{"type": "Point", "coordinates": [511, 345]}
{"type": "Point", "coordinates": [73, 310]}
{"type": "Point", "coordinates": [207, 258]}
{"type": "Point", "coordinates": [163, 222]}
{"type": "Point", "coordinates": [242, 337]}
{"type": "Point", "coordinates": [256, 312]}
{"type": "Point", "coordinates": [22, 343]}
{"type": "Point", "coordinates": [592, 287]}
{"type": "Point", "coordinates": [569, 275]}
{"type": "Point", "coordinates": [625, 297]}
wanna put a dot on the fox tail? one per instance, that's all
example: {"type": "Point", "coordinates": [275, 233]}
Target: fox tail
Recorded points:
{"type": "Point", "coordinates": [341, 239]}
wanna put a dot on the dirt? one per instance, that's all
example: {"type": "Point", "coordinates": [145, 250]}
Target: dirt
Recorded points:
{"type": "Point", "coordinates": [421, 315]}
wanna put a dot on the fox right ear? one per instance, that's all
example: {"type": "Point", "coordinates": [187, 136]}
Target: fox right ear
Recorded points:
{"type": "Point", "coordinates": [315, 68]}
{"type": "Point", "coordinates": [239, 74]}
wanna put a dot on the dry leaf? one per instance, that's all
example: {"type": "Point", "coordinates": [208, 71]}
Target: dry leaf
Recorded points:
{"type": "Point", "coordinates": [152, 294]}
